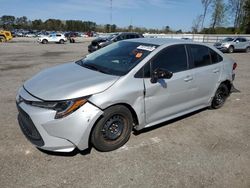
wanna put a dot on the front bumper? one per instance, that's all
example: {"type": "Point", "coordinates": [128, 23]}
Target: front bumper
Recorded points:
{"type": "Point", "coordinates": [222, 48]}
{"type": "Point", "coordinates": [92, 48]}
{"type": "Point", "coordinates": [59, 135]}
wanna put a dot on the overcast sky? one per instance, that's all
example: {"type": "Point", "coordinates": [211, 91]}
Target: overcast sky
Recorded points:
{"type": "Point", "coordinates": [178, 14]}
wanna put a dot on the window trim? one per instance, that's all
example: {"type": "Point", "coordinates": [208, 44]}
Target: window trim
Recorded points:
{"type": "Point", "coordinates": [192, 58]}
{"type": "Point", "coordinates": [141, 74]}
{"type": "Point", "coordinates": [219, 56]}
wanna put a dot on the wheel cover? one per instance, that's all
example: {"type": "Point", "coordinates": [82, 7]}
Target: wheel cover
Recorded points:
{"type": "Point", "coordinates": [113, 127]}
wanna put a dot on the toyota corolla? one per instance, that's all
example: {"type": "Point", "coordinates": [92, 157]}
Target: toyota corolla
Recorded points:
{"type": "Point", "coordinates": [98, 100]}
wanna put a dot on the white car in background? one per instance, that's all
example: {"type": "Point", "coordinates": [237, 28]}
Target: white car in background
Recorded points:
{"type": "Point", "coordinates": [56, 38]}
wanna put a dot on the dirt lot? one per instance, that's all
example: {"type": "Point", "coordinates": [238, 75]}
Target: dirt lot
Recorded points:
{"type": "Point", "coordinates": [210, 148]}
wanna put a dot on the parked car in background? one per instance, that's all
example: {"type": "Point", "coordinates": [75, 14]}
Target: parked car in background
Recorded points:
{"type": "Point", "coordinates": [30, 35]}
{"type": "Point", "coordinates": [71, 36]}
{"type": "Point", "coordinates": [53, 38]}
{"type": "Point", "coordinates": [105, 41]}
{"type": "Point", "coordinates": [129, 84]}
{"type": "Point", "coordinates": [231, 45]}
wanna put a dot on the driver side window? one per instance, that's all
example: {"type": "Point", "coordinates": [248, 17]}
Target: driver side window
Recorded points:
{"type": "Point", "coordinates": [173, 59]}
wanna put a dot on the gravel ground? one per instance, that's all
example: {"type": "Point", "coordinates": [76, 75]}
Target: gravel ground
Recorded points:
{"type": "Point", "coordinates": [209, 148]}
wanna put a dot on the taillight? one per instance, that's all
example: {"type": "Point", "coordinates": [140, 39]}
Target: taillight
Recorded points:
{"type": "Point", "coordinates": [234, 66]}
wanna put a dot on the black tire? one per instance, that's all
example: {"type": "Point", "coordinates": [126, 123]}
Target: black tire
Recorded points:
{"type": "Point", "coordinates": [61, 41]}
{"type": "Point", "coordinates": [220, 96]}
{"type": "Point", "coordinates": [44, 41]}
{"type": "Point", "coordinates": [248, 49]}
{"type": "Point", "coordinates": [113, 129]}
{"type": "Point", "coordinates": [3, 39]}
{"type": "Point", "coordinates": [230, 49]}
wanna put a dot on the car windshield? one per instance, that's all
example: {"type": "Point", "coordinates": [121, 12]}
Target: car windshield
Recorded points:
{"type": "Point", "coordinates": [118, 58]}
{"type": "Point", "coordinates": [228, 39]}
{"type": "Point", "coordinates": [112, 36]}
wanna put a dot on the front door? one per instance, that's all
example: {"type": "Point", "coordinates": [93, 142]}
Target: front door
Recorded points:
{"type": "Point", "coordinates": [169, 96]}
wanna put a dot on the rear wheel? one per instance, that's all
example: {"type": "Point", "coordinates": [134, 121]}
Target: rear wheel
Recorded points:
{"type": "Point", "coordinates": [231, 49]}
{"type": "Point", "coordinates": [61, 41]}
{"type": "Point", "coordinates": [113, 129]}
{"type": "Point", "coordinates": [44, 41]}
{"type": "Point", "coordinates": [248, 49]}
{"type": "Point", "coordinates": [220, 96]}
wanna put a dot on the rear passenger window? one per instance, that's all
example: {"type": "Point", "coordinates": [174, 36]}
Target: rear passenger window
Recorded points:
{"type": "Point", "coordinates": [243, 40]}
{"type": "Point", "coordinates": [200, 54]}
{"type": "Point", "coordinates": [215, 58]}
{"type": "Point", "coordinates": [173, 59]}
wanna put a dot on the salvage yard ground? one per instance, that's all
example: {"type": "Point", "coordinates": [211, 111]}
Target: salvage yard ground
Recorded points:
{"type": "Point", "coordinates": [209, 148]}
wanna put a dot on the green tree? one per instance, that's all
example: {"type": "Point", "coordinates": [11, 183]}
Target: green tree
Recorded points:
{"type": "Point", "coordinates": [205, 4]}
{"type": "Point", "coordinates": [37, 24]}
{"type": "Point", "coordinates": [7, 21]}
{"type": "Point", "coordinates": [22, 22]}
{"type": "Point", "coordinates": [236, 9]}
{"type": "Point", "coordinates": [218, 14]}
{"type": "Point", "coordinates": [196, 24]}
{"type": "Point", "coordinates": [246, 20]}
{"type": "Point", "coordinates": [130, 28]}
{"type": "Point", "coordinates": [53, 25]}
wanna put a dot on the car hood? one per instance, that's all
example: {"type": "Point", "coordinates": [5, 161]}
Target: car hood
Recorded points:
{"type": "Point", "coordinates": [68, 81]}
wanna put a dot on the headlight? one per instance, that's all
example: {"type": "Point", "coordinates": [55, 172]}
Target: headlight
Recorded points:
{"type": "Point", "coordinates": [62, 108]}
{"type": "Point", "coordinates": [225, 45]}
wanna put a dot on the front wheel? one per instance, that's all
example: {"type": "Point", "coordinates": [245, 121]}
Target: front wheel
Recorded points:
{"type": "Point", "coordinates": [220, 96]}
{"type": "Point", "coordinates": [230, 49]}
{"type": "Point", "coordinates": [113, 129]}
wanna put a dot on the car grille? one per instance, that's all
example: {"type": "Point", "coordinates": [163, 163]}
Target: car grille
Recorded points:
{"type": "Point", "coordinates": [28, 128]}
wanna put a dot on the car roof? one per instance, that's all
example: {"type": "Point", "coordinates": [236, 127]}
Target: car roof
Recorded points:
{"type": "Point", "coordinates": [160, 41]}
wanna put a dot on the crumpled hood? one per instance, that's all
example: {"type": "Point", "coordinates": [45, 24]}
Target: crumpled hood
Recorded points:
{"type": "Point", "coordinates": [68, 81]}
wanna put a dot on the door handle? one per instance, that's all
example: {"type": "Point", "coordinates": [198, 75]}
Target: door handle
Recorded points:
{"type": "Point", "coordinates": [188, 78]}
{"type": "Point", "coordinates": [216, 70]}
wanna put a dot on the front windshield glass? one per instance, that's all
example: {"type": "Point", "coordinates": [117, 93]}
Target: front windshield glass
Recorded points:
{"type": "Point", "coordinates": [112, 36]}
{"type": "Point", "coordinates": [228, 39]}
{"type": "Point", "coordinates": [118, 58]}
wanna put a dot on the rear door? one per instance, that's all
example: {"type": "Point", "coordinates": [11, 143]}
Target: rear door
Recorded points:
{"type": "Point", "coordinates": [240, 43]}
{"type": "Point", "coordinates": [168, 96]}
{"type": "Point", "coordinates": [206, 72]}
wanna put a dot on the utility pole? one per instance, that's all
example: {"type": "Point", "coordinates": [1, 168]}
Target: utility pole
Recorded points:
{"type": "Point", "coordinates": [111, 17]}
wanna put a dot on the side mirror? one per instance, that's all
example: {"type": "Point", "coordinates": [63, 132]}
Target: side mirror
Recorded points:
{"type": "Point", "coordinates": [237, 41]}
{"type": "Point", "coordinates": [160, 74]}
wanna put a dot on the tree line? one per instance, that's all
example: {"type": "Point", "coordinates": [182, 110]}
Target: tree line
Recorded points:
{"type": "Point", "coordinates": [223, 12]}
{"type": "Point", "coordinates": [10, 22]}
